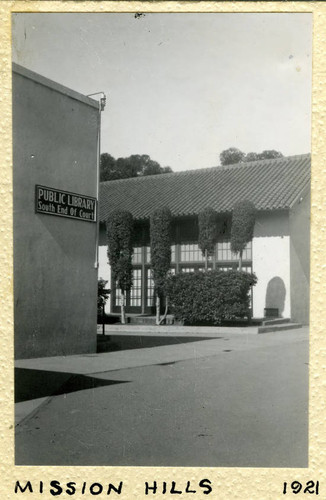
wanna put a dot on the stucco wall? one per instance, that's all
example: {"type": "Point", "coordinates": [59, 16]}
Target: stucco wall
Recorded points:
{"type": "Point", "coordinates": [300, 259]}
{"type": "Point", "coordinates": [104, 272]}
{"type": "Point", "coordinates": [55, 276]}
{"type": "Point", "coordinates": [271, 263]}
{"type": "Point", "coordinates": [104, 269]}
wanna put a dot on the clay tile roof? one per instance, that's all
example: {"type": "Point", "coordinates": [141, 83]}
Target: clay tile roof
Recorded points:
{"type": "Point", "coordinates": [269, 184]}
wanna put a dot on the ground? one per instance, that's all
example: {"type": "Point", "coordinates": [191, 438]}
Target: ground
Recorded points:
{"type": "Point", "coordinates": [171, 400]}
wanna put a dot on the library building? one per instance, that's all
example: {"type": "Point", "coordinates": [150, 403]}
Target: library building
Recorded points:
{"type": "Point", "coordinates": [278, 253]}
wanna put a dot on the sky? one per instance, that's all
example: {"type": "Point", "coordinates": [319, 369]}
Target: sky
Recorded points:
{"type": "Point", "coordinates": [181, 87]}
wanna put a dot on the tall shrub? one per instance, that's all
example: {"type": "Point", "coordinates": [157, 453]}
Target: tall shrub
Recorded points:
{"type": "Point", "coordinates": [119, 236]}
{"type": "Point", "coordinates": [102, 294]}
{"type": "Point", "coordinates": [102, 297]}
{"type": "Point", "coordinates": [160, 236]}
{"type": "Point", "coordinates": [207, 222]}
{"type": "Point", "coordinates": [242, 228]}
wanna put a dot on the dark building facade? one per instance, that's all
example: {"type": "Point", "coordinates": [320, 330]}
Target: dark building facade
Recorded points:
{"type": "Point", "coordinates": [55, 186]}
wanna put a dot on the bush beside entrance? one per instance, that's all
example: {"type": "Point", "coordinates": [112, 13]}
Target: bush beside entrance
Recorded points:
{"type": "Point", "coordinates": [211, 297]}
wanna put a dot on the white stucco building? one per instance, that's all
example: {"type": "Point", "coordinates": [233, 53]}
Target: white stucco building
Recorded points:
{"type": "Point", "coordinates": [278, 253]}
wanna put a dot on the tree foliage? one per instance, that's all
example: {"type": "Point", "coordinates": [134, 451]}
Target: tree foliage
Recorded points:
{"type": "Point", "coordinates": [242, 228]}
{"type": "Point", "coordinates": [251, 157]}
{"type": "Point", "coordinates": [207, 221]}
{"type": "Point", "coordinates": [107, 167]}
{"type": "Point", "coordinates": [269, 154]}
{"type": "Point", "coordinates": [160, 236]}
{"type": "Point", "coordinates": [119, 235]}
{"type": "Point", "coordinates": [232, 156]}
{"type": "Point", "coordinates": [102, 293]}
{"type": "Point", "coordinates": [133, 166]}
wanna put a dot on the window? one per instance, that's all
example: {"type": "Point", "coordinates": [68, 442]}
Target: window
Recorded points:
{"type": "Point", "coordinates": [148, 255]}
{"type": "Point", "coordinates": [172, 253]}
{"type": "Point", "coordinates": [188, 269]}
{"type": "Point", "coordinates": [224, 251]}
{"type": "Point", "coordinates": [150, 289]}
{"type": "Point", "coordinates": [190, 252]}
{"type": "Point", "coordinates": [117, 295]}
{"type": "Point", "coordinates": [225, 268]}
{"type": "Point", "coordinates": [247, 253]}
{"type": "Point", "coordinates": [234, 267]}
{"type": "Point", "coordinates": [135, 292]}
{"type": "Point", "coordinates": [136, 257]}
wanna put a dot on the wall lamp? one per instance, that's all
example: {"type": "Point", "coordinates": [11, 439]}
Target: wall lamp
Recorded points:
{"type": "Point", "coordinates": [102, 99]}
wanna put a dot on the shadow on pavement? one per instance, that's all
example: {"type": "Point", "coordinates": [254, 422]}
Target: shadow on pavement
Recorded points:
{"type": "Point", "coordinates": [33, 384]}
{"type": "Point", "coordinates": [110, 343]}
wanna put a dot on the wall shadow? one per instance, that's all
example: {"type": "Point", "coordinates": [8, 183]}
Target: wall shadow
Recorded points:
{"type": "Point", "coordinates": [107, 343]}
{"type": "Point", "coordinates": [273, 224]}
{"type": "Point", "coordinates": [275, 294]}
{"type": "Point", "coordinates": [33, 384]}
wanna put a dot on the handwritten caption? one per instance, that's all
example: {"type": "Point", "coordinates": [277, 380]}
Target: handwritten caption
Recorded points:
{"type": "Point", "coordinates": [56, 488]}
{"type": "Point", "coordinates": [310, 487]}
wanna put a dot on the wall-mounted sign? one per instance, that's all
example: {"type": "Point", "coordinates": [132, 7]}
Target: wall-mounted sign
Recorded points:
{"type": "Point", "coordinates": [52, 201]}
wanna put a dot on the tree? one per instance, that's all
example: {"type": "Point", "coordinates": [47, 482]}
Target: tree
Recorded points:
{"type": "Point", "coordinates": [102, 297]}
{"type": "Point", "coordinates": [231, 156]}
{"type": "Point", "coordinates": [269, 154]}
{"type": "Point", "coordinates": [133, 166]}
{"type": "Point", "coordinates": [160, 235]}
{"type": "Point", "coordinates": [102, 294]}
{"type": "Point", "coordinates": [144, 165]}
{"type": "Point", "coordinates": [207, 220]}
{"type": "Point", "coordinates": [251, 157]}
{"type": "Point", "coordinates": [242, 228]}
{"type": "Point", "coordinates": [128, 167]}
{"type": "Point", "coordinates": [119, 236]}
{"type": "Point", "coordinates": [166, 170]}
{"type": "Point", "coordinates": [108, 168]}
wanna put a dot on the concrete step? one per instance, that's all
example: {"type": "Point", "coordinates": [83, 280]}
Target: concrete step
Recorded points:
{"type": "Point", "coordinates": [275, 321]}
{"type": "Point", "coordinates": [278, 327]}
{"type": "Point", "coordinates": [141, 320]}
{"type": "Point", "coordinates": [148, 320]}
{"type": "Point", "coordinates": [134, 322]}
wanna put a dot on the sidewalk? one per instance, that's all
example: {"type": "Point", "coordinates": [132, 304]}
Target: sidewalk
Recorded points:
{"type": "Point", "coordinates": [187, 400]}
{"type": "Point", "coordinates": [205, 343]}
{"type": "Point", "coordinates": [207, 331]}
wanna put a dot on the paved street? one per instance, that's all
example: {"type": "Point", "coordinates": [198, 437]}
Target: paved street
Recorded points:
{"type": "Point", "coordinates": [171, 400]}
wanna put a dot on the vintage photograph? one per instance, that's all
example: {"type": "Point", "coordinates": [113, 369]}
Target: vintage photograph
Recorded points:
{"type": "Point", "coordinates": [161, 210]}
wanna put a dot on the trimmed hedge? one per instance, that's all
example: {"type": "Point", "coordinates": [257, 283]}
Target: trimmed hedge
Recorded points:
{"type": "Point", "coordinates": [211, 297]}
{"type": "Point", "coordinates": [243, 223]}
